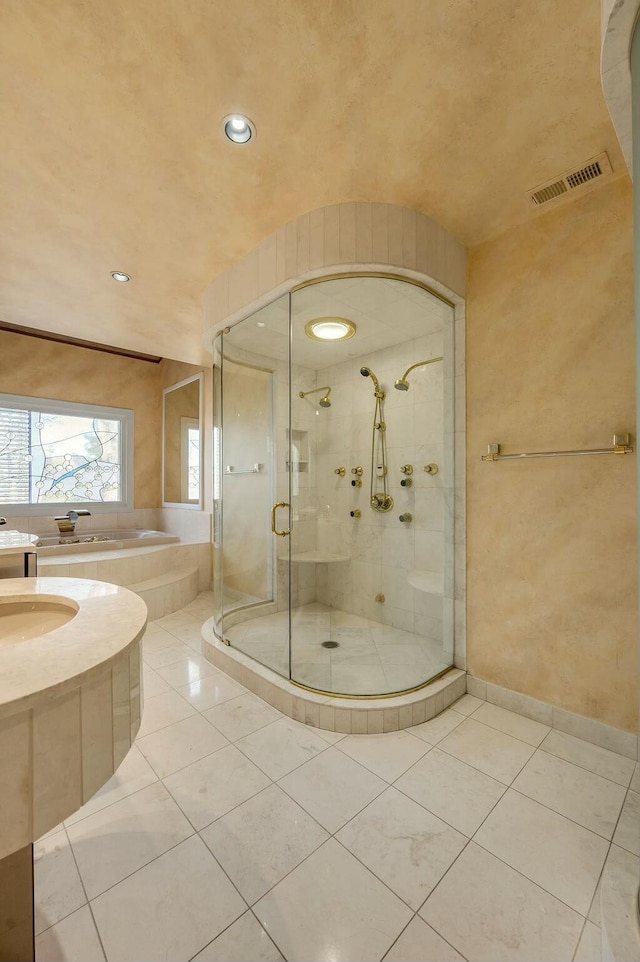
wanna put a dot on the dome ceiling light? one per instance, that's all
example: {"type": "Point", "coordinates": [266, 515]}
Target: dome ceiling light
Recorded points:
{"type": "Point", "coordinates": [120, 276]}
{"type": "Point", "coordinates": [330, 329]}
{"type": "Point", "coordinates": [238, 128]}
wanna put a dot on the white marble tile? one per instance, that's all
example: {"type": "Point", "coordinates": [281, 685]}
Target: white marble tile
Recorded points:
{"type": "Point", "coordinates": [404, 845]}
{"type": "Point", "coordinates": [168, 910]}
{"type": "Point", "coordinates": [245, 939]}
{"type": "Point", "coordinates": [491, 913]}
{"type": "Point", "coordinates": [590, 944]}
{"type": "Point", "coordinates": [241, 716]}
{"type": "Point", "coordinates": [180, 744]}
{"type": "Point", "coordinates": [467, 705]}
{"type": "Point", "coordinates": [595, 759]}
{"type": "Point", "coordinates": [156, 638]}
{"type": "Point", "coordinates": [163, 710]}
{"type": "Point", "coordinates": [120, 839]}
{"type": "Point", "coordinates": [365, 917]}
{"type": "Point", "coordinates": [211, 691]}
{"type": "Point", "coordinates": [451, 789]}
{"type": "Point", "coordinates": [153, 684]}
{"type": "Point", "coordinates": [329, 736]}
{"type": "Point", "coordinates": [627, 834]}
{"type": "Point", "coordinates": [187, 671]}
{"type": "Point", "coordinates": [420, 943]}
{"type": "Point", "coordinates": [134, 773]}
{"type": "Point", "coordinates": [562, 857]}
{"type": "Point", "coordinates": [282, 746]}
{"type": "Point", "coordinates": [214, 785]}
{"type": "Point", "coordinates": [434, 730]}
{"type": "Point", "coordinates": [582, 796]}
{"type": "Point", "coordinates": [332, 788]}
{"type": "Point", "coordinates": [527, 730]}
{"type": "Point", "coordinates": [387, 756]}
{"type": "Point", "coordinates": [74, 939]}
{"type": "Point", "coordinates": [488, 750]}
{"type": "Point", "coordinates": [57, 887]}
{"type": "Point", "coordinates": [619, 906]}
{"type": "Point", "coordinates": [262, 840]}
{"type": "Point", "coordinates": [167, 656]}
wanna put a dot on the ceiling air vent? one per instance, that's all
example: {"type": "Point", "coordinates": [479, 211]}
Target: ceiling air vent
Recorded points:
{"type": "Point", "coordinates": [571, 180]}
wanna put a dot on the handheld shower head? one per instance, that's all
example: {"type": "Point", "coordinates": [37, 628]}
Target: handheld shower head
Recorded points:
{"type": "Point", "coordinates": [402, 384]}
{"type": "Point", "coordinates": [367, 372]}
{"type": "Point", "coordinates": [324, 402]}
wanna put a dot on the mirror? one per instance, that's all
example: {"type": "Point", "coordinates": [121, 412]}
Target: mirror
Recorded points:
{"type": "Point", "coordinates": [181, 443]}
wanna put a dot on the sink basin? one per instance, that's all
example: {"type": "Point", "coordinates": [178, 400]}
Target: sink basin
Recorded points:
{"type": "Point", "coordinates": [23, 620]}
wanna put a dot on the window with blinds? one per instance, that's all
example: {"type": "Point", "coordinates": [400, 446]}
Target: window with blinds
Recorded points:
{"type": "Point", "coordinates": [57, 452]}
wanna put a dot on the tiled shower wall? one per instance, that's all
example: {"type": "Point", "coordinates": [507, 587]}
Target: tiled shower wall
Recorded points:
{"type": "Point", "coordinates": [378, 549]}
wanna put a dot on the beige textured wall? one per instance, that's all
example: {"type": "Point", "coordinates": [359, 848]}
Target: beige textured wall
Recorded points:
{"type": "Point", "coordinates": [38, 368]}
{"type": "Point", "coordinates": [552, 599]}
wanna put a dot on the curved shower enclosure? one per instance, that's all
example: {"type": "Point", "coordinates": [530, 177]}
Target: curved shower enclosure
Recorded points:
{"type": "Point", "coordinates": [333, 487]}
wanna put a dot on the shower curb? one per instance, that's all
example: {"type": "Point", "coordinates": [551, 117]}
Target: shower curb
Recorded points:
{"type": "Point", "coordinates": [350, 716]}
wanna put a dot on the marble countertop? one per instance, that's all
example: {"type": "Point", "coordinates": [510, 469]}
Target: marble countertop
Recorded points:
{"type": "Point", "coordinates": [16, 542]}
{"type": "Point", "coordinates": [108, 620]}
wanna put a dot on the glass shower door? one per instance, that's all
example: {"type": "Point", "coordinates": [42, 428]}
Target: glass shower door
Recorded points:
{"type": "Point", "coordinates": [251, 489]}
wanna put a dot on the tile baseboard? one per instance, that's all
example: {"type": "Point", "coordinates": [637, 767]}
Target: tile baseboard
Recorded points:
{"type": "Point", "coordinates": [589, 729]}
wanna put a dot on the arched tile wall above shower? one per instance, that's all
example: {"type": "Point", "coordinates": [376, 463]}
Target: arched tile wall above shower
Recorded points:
{"type": "Point", "coordinates": [342, 237]}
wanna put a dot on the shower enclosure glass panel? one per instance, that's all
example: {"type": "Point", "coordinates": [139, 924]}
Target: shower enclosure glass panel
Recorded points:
{"type": "Point", "coordinates": [251, 491]}
{"type": "Point", "coordinates": [371, 615]}
{"type": "Point", "coordinates": [358, 598]}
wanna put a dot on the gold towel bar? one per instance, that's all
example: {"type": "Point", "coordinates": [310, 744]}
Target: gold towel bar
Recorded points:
{"type": "Point", "coordinates": [621, 445]}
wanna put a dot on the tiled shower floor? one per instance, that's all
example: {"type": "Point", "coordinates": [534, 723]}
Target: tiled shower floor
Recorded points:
{"type": "Point", "coordinates": [371, 658]}
{"type": "Point", "coordinates": [232, 833]}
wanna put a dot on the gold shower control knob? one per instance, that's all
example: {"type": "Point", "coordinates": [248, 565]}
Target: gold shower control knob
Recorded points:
{"type": "Point", "coordinates": [431, 468]}
{"type": "Point", "coordinates": [340, 471]}
{"type": "Point", "coordinates": [356, 513]}
{"type": "Point", "coordinates": [407, 469]}
{"type": "Point", "coordinates": [357, 470]}
{"type": "Point", "coordinates": [380, 599]}
{"type": "Point", "coordinates": [356, 483]}
{"type": "Point", "coordinates": [405, 517]}
{"type": "Point", "coordinates": [406, 483]}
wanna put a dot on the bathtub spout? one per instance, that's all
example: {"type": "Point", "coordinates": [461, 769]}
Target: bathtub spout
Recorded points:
{"type": "Point", "coordinates": [67, 523]}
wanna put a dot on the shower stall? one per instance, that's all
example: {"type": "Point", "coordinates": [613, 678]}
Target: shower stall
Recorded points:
{"type": "Point", "coordinates": [334, 484]}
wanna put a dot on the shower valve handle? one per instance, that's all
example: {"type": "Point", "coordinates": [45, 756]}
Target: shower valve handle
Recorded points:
{"type": "Point", "coordinates": [340, 471]}
{"type": "Point", "coordinates": [357, 470]}
{"type": "Point", "coordinates": [356, 483]}
{"type": "Point", "coordinates": [405, 517]}
{"type": "Point", "coordinates": [406, 483]}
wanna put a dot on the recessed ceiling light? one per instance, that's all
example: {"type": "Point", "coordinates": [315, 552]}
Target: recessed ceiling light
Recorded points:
{"type": "Point", "coordinates": [238, 128]}
{"type": "Point", "coordinates": [260, 324]}
{"type": "Point", "coordinates": [330, 329]}
{"type": "Point", "coordinates": [120, 276]}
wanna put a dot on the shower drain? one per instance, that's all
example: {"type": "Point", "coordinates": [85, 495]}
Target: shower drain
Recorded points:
{"type": "Point", "coordinates": [330, 644]}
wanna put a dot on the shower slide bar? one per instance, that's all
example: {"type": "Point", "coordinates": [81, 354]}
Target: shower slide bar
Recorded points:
{"type": "Point", "coordinates": [256, 469]}
{"type": "Point", "coordinates": [621, 445]}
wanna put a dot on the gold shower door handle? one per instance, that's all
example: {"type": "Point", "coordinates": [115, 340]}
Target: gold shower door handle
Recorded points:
{"type": "Point", "coordinates": [279, 504]}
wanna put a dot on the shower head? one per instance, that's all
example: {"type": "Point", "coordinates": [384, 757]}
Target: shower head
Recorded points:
{"type": "Point", "coordinates": [367, 372]}
{"type": "Point", "coordinates": [402, 384]}
{"type": "Point", "coordinates": [324, 402]}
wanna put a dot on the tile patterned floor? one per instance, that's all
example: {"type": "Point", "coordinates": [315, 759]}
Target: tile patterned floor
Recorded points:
{"type": "Point", "coordinates": [231, 833]}
{"type": "Point", "coordinates": [372, 658]}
